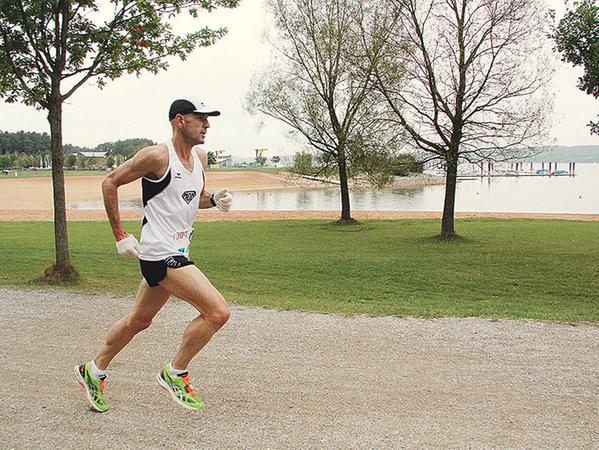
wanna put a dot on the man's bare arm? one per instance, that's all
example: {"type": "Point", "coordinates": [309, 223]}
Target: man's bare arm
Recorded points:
{"type": "Point", "coordinates": [149, 160]}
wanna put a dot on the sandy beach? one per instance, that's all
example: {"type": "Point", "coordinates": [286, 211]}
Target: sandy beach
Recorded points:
{"type": "Point", "coordinates": [36, 193]}
{"type": "Point", "coordinates": [31, 199]}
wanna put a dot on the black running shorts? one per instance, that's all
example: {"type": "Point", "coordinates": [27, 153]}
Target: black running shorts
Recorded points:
{"type": "Point", "coordinates": [155, 271]}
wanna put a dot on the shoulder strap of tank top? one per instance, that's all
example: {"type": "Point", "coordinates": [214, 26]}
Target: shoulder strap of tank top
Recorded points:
{"type": "Point", "coordinates": [198, 161]}
{"type": "Point", "coordinates": [170, 146]}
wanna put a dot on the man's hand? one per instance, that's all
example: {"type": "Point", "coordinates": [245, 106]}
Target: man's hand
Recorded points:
{"type": "Point", "coordinates": [223, 199]}
{"type": "Point", "coordinates": [128, 246]}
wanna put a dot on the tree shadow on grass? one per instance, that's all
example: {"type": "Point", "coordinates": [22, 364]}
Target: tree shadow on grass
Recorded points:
{"type": "Point", "coordinates": [347, 226]}
{"type": "Point", "coordinates": [438, 239]}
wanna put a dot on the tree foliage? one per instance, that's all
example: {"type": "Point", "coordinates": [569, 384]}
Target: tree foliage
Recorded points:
{"type": "Point", "coordinates": [406, 164]}
{"type": "Point", "coordinates": [211, 158]}
{"type": "Point", "coordinates": [126, 148]}
{"type": "Point", "coordinates": [34, 143]}
{"type": "Point", "coordinates": [577, 39]}
{"type": "Point", "coordinates": [50, 44]}
{"type": "Point", "coordinates": [303, 163]}
{"type": "Point", "coordinates": [260, 161]}
{"type": "Point", "coordinates": [28, 142]}
{"type": "Point", "coordinates": [19, 160]}
{"type": "Point", "coordinates": [70, 161]}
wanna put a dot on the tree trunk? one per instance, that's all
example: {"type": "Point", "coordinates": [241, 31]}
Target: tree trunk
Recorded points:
{"type": "Point", "coordinates": [345, 208]}
{"type": "Point", "coordinates": [447, 223]}
{"type": "Point", "coordinates": [62, 270]}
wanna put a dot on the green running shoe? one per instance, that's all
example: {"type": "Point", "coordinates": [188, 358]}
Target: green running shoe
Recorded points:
{"type": "Point", "coordinates": [179, 389]}
{"type": "Point", "coordinates": [93, 387]}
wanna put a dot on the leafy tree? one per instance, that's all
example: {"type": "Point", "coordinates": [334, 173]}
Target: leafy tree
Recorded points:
{"type": "Point", "coordinates": [211, 158]}
{"type": "Point", "coordinates": [82, 162]}
{"type": "Point", "coordinates": [109, 161]}
{"type": "Point", "coordinates": [577, 39]}
{"type": "Point", "coordinates": [318, 88]}
{"type": "Point", "coordinates": [126, 147]}
{"type": "Point", "coordinates": [474, 71]}
{"type": "Point", "coordinates": [28, 142]}
{"type": "Point", "coordinates": [275, 160]}
{"type": "Point", "coordinates": [49, 49]}
{"type": "Point", "coordinates": [260, 161]}
{"type": "Point", "coordinates": [5, 162]}
{"type": "Point", "coordinates": [406, 164]}
{"type": "Point", "coordinates": [118, 160]}
{"type": "Point", "coordinates": [104, 147]}
{"type": "Point", "coordinates": [70, 160]}
{"type": "Point", "coordinates": [25, 161]}
{"type": "Point", "coordinates": [303, 163]}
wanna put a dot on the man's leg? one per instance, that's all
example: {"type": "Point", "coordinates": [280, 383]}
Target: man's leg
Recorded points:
{"type": "Point", "coordinates": [148, 301]}
{"type": "Point", "coordinates": [190, 284]}
{"type": "Point", "coordinates": [91, 374]}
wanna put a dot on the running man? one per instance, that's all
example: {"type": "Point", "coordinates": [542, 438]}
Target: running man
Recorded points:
{"type": "Point", "coordinates": [173, 188]}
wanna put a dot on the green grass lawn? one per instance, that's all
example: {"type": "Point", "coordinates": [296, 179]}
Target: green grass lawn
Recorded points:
{"type": "Point", "coordinates": [501, 268]}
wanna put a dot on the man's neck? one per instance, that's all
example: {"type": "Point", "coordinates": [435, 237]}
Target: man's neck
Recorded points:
{"type": "Point", "coordinates": [182, 146]}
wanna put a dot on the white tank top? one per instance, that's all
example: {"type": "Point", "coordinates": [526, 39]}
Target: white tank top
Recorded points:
{"type": "Point", "coordinates": [170, 205]}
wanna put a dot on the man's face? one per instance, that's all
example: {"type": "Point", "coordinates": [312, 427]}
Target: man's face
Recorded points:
{"type": "Point", "coordinates": [195, 127]}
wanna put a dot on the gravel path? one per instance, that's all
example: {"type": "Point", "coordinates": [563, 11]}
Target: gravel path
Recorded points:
{"type": "Point", "coordinates": [275, 379]}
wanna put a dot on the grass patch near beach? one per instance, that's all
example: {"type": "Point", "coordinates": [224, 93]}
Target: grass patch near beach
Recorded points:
{"type": "Point", "coordinates": [500, 268]}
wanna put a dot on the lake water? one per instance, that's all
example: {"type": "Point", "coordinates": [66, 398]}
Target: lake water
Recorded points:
{"type": "Point", "coordinates": [578, 194]}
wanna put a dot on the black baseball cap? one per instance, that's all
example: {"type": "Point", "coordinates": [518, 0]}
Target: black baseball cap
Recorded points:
{"type": "Point", "coordinates": [187, 106]}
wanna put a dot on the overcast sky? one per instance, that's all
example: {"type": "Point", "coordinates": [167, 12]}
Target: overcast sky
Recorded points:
{"type": "Point", "coordinates": [220, 75]}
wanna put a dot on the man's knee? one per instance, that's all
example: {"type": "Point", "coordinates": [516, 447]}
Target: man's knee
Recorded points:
{"type": "Point", "coordinates": [219, 316]}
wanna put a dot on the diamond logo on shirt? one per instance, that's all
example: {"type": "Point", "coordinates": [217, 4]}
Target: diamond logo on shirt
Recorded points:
{"type": "Point", "coordinates": [188, 196]}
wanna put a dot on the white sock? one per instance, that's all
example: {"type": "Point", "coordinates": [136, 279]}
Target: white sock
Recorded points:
{"type": "Point", "coordinates": [174, 371]}
{"type": "Point", "coordinates": [95, 371]}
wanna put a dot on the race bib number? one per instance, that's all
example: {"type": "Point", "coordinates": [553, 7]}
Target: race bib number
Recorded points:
{"type": "Point", "coordinates": [182, 241]}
